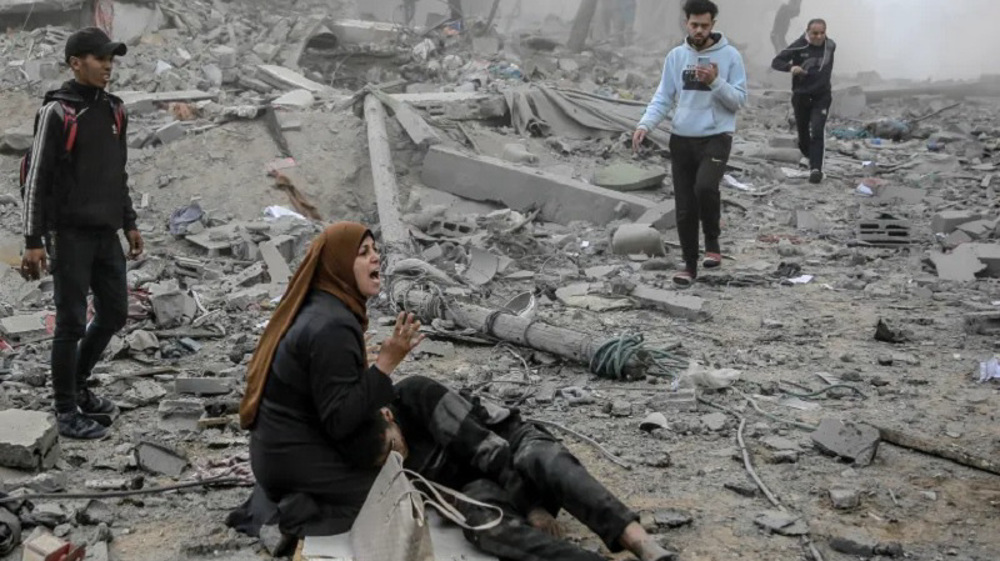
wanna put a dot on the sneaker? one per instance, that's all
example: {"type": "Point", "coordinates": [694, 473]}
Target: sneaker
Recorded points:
{"type": "Point", "coordinates": [684, 279]}
{"type": "Point", "coordinates": [815, 176]}
{"type": "Point", "coordinates": [712, 260]}
{"type": "Point", "coordinates": [98, 408]}
{"type": "Point", "coordinates": [78, 426]}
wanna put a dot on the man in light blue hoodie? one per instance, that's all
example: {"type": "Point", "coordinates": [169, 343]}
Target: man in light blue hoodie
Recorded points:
{"type": "Point", "coordinates": [704, 83]}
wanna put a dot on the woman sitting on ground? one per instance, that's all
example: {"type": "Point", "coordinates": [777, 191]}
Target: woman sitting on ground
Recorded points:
{"type": "Point", "coordinates": [309, 384]}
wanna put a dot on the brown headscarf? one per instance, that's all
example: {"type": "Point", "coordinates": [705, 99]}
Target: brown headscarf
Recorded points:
{"type": "Point", "coordinates": [328, 266]}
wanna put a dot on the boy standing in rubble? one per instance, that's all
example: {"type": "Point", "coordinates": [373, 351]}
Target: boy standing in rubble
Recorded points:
{"type": "Point", "coordinates": [76, 198]}
{"type": "Point", "coordinates": [704, 84]}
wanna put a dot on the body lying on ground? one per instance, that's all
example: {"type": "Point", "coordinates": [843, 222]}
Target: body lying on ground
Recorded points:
{"type": "Point", "coordinates": [492, 455]}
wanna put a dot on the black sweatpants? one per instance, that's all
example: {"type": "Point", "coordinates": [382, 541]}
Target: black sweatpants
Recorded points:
{"type": "Point", "coordinates": [698, 165]}
{"type": "Point", "coordinates": [811, 112]}
{"type": "Point", "coordinates": [83, 261]}
{"type": "Point", "coordinates": [561, 482]}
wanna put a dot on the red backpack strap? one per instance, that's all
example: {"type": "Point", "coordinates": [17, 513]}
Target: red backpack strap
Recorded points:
{"type": "Point", "coordinates": [69, 125]}
{"type": "Point", "coordinates": [119, 110]}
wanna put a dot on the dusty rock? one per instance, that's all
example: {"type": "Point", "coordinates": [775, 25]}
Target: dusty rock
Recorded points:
{"type": "Point", "coordinates": [782, 523]}
{"type": "Point", "coordinates": [844, 498]}
{"type": "Point", "coordinates": [853, 542]}
{"type": "Point", "coordinates": [855, 442]}
{"type": "Point", "coordinates": [28, 440]}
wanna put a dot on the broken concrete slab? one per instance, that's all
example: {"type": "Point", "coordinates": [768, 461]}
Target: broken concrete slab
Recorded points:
{"type": "Point", "coordinates": [24, 328]}
{"type": "Point", "coordinates": [160, 459]}
{"type": "Point", "coordinates": [170, 307]}
{"type": "Point", "coordinates": [671, 518]}
{"type": "Point", "coordinates": [627, 177]}
{"type": "Point", "coordinates": [847, 440]}
{"type": "Point", "coordinates": [977, 229]}
{"type": "Point", "coordinates": [28, 440]}
{"type": "Point", "coordinates": [96, 512]}
{"type": "Point", "coordinates": [674, 303]}
{"type": "Point", "coordinates": [245, 298]}
{"type": "Point", "coordinates": [559, 199]}
{"type": "Point", "coordinates": [281, 77]}
{"type": "Point", "coordinates": [638, 239]}
{"type": "Point", "coordinates": [662, 216]}
{"type": "Point", "coordinates": [180, 414]}
{"type": "Point", "coordinates": [171, 132]}
{"type": "Point", "coordinates": [947, 221]}
{"type": "Point", "coordinates": [899, 194]}
{"type": "Point", "coordinates": [203, 386]}
{"type": "Point", "coordinates": [295, 99]}
{"type": "Point", "coordinates": [961, 265]}
{"type": "Point", "coordinates": [806, 221]}
{"type": "Point", "coordinates": [419, 130]}
{"type": "Point", "coordinates": [277, 267]}
{"type": "Point", "coordinates": [782, 523]}
{"type": "Point", "coordinates": [578, 295]}
{"type": "Point", "coordinates": [483, 266]}
{"type": "Point", "coordinates": [988, 255]}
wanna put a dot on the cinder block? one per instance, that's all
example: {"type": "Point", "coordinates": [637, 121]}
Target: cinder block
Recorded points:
{"type": "Point", "coordinates": [885, 232]}
{"type": "Point", "coordinates": [662, 216]}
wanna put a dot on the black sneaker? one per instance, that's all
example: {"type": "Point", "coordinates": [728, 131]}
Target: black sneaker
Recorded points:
{"type": "Point", "coordinates": [78, 426]}
{"type": "Point", "coordinates": [98, 408]}
{"type": "Point", "coordinates": [815, 176]}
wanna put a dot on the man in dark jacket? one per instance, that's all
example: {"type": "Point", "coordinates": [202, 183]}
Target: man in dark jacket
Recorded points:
{"type": "Point", "coordinates": [494, 456]}
{"type": "Point", "coordinates": [76, 198]}
{"type": "Point", "coordinates": [810, 60]}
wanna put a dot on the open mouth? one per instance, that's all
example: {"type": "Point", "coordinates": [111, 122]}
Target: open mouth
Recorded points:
{"type": "Point", "coordinates": [375, 275]}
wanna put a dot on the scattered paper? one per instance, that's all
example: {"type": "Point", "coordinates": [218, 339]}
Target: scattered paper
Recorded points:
{"type": "Point", "coordinates": [794, 173]}
{"type": "Point", "coordinates": [804, 279]}
{"type": "Point", "coordinates": [865, 190]}
{"type": "Point", "coordinates": [989, 370]}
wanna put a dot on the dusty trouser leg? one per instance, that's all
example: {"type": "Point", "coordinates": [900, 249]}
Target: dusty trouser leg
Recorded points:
{"type": "Point", "coordinates": [514, 539]}
{"type": "Point", "coordinates": [714, 155]}
{"type": "Point", "coordinates": [802, 105]}
{"type": "Point", "coordinates": [684, 168]}
{"type": "Point", "coordinates": [817, 129]}
{"type": "Point", "coordinates": [562, 480]}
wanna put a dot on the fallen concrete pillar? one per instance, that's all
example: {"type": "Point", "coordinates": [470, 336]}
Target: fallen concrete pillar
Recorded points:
{"type": "Point", "coordinates": [421, 133]}
{"type": "Point", "coordinates": [395, 235]}
{"type": "Point", "coordinates": [638, 239]}
{"type": "Point", "coordinates": [559, 199]}
{"type": "Point", "coordinates": [457, 106]}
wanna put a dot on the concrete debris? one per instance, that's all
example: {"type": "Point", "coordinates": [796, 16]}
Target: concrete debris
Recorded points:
{"type": "Point", "coordinates": [182, 414]}
{"type": "Point", "coordinates": [948, 221]}
{"type": "Point", "coordinates": [635, 239]}
{"type": "Point", "coordinates": [855, 442]}
{"type": "Point", "coordinates": [96, 512]}
{"type": "Point", "coordinates": [559, 199]}
{"type": "Point", "coordinates": [171, 132]}
{"type": "Point", "coordinates": [160, 459]}
{"type": "Point", "coordinates": [673, 303]}
{"type": "Point", "coordinates": [203, 386]}
{"type": "Point", "coordinates": [29, 440]}
{"type": "Point", "coordinates": [281, 77]}
{"type": "Point", "coordinates": [782, 523]}
{"type": "Point", "coordinates": [661, 216]}
{"type": "Point", "coordinates": [274, 260]}
{"type": "Point", "coordinates": [627, 177]}
{"type": "Point", "coordinates": [518, 154]}
{"type": "Point", "coordinates": [296, 99]}
{"type": "Point", "coordinates": [854, 542]}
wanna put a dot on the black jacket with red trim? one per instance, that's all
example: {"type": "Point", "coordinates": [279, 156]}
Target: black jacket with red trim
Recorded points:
{"type": "Point", "coordinates": [87, 188]}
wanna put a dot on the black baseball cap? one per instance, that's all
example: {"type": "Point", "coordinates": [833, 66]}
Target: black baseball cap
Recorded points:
{"type": "Point", "coordinates": [93, 41]}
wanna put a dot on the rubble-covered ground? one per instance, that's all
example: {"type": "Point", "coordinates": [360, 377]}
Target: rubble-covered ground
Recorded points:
{"type": "Point", "coordinates": [871, 298]}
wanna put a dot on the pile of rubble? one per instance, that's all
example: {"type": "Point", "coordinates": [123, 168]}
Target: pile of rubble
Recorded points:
{"type": "Point", "coordinates": [538, 249]}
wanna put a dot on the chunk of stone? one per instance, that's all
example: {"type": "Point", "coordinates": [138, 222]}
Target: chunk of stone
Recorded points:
{"type": "Point", "coordinates": [28, 440]}
{"type": "Point", "coordinates": [782, 523]}
{"type": "Point", "coordinates": [855, 442]}
{"type": "Point", "coordinates": [715, 422]}
{"type": "Point", "coordinates": [160, 459]}
{"type": "Point", "coordinates": [854, 542]}
{"type": "Point", "coordinates": [844, 498]}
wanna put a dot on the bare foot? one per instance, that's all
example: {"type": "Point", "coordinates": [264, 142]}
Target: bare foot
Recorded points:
{"type": "Point", "coordinates": [644, 546]}
{"type": "Point", "coordinates": [540, 519]}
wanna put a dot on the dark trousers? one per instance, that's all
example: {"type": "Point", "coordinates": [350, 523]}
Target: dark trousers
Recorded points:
{"type": "Point", "coordinates": [561, 482]}
{"type": "Point", "coordinates": [698, 165]}
{"type": "Point", "coordinates": [84, 261]}
{"type": "Point", "coordinates": [811, 112]}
